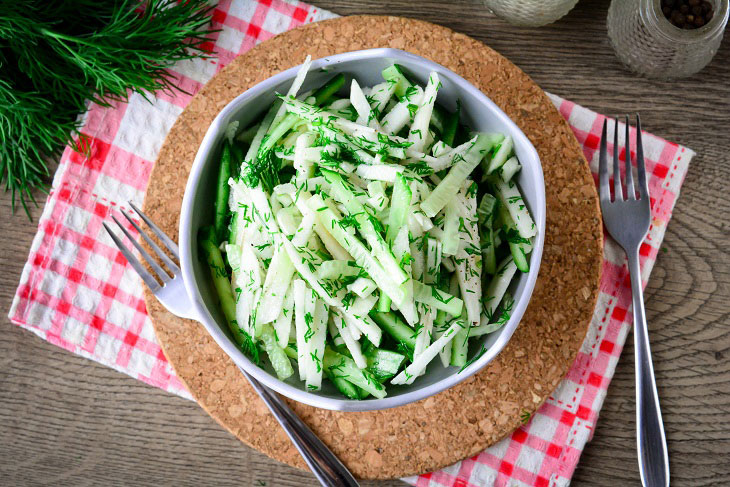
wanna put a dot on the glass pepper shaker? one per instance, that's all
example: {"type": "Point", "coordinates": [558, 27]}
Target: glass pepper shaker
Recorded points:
{"type": "Point", "coordinates": [531, 13]}
{"type": "Point", "coordinates": [655, 39]}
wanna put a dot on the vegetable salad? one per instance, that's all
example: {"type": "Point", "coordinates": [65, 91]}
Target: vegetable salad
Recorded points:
{"type": "Point", "coordinates": [357, 238]}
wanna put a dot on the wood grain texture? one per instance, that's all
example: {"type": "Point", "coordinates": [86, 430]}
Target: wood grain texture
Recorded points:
{"type": "Point", "coordinates": [69, 421]}
{"type": "Point", "coordinates": [467, 418]}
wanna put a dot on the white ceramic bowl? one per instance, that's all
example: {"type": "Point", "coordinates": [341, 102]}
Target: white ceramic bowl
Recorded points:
{"type": "Point", "coordinates": [478, 112]}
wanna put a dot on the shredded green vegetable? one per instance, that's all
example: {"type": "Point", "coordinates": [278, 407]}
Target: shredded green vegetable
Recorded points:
{"type": "Point", "coordinates": [360, 246]}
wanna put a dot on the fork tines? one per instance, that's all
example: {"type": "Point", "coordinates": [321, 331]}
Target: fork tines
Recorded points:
{"type": "Point", "coordinates": [149, 279]}
{"type": "Point", "coordinates": [603, 176]}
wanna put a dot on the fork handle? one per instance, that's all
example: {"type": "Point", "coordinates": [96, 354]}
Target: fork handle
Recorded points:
{"type": "Point", "coordinates": [324, 464]}
{"type": "Point", "coordinates": [651, 442]}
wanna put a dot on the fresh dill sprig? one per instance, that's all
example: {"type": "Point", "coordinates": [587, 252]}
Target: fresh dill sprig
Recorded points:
{"type": "Point", "coordinates": [476, 357]}
{"type": "Point", "coordinates": [264, 170]}
{"type": "Point", "coordinates": [525, 416]}
{"type": "Point", "coordinates": [57, 55]}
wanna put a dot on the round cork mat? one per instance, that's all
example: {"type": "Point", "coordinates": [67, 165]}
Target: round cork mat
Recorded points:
{"type": "Point", "coordinates": [475, 414]}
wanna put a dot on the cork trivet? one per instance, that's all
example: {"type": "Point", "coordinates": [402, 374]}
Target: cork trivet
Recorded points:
{"type": "Point", "coordinates": [477, 413]}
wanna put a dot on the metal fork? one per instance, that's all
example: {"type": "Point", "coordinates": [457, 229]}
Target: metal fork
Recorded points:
{"type": "Point", "coordinates": [627, 220]}
{"type": "Point", "coordinates": [324, 464]}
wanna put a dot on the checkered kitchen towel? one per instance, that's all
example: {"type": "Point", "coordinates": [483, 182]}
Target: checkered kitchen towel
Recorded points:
{"type": "Point", "coordinates": [77, 291]}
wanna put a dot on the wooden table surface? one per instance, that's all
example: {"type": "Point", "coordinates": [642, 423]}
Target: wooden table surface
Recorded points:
{"type": "Point", "coordinates": [66, 420]}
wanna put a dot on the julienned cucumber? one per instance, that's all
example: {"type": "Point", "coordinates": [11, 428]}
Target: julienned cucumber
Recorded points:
{"type": "Point", "coordinates": [384, 364]}
{"type": "Point", "coordinates": [359, 245]}
{"type": "Point", "coordinates": [322, 95]}
{"type": "Point", "coordinates": [329, 89]}
{"type": "Point", "coordinates": [451, 124]}
{"type": "Point", "coordinates": [395, 327]}
{"type": "Point", "coordinates": [345, 368]}
{"type": "Point", "coordinates": [346, 388]}
{"type": "Point", "coordinates": [277, 356]}
{"type": "Point", "coordinates": [394, 74]}
{"type": "Point", "coordinates": [212, 255]}
{"type": "Point", "coordinates": [222, 191]}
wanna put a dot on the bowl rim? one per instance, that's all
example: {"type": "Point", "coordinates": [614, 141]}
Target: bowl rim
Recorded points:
{"type": "Point", "coordinates": [187, 239]}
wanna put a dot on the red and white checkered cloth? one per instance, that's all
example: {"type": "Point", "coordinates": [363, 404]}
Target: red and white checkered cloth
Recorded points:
{"type": "Point", "coordinates": [77, 291]}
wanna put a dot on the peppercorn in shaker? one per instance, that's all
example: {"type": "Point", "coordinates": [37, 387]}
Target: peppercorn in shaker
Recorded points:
{"type": "Point", "coordinates": [666, 38]}
{"type": "Point", "coordinates": [688, 14]}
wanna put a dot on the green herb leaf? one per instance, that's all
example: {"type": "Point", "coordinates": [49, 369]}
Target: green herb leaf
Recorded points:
{"type": "Point", "coordinates": [55, 56]}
